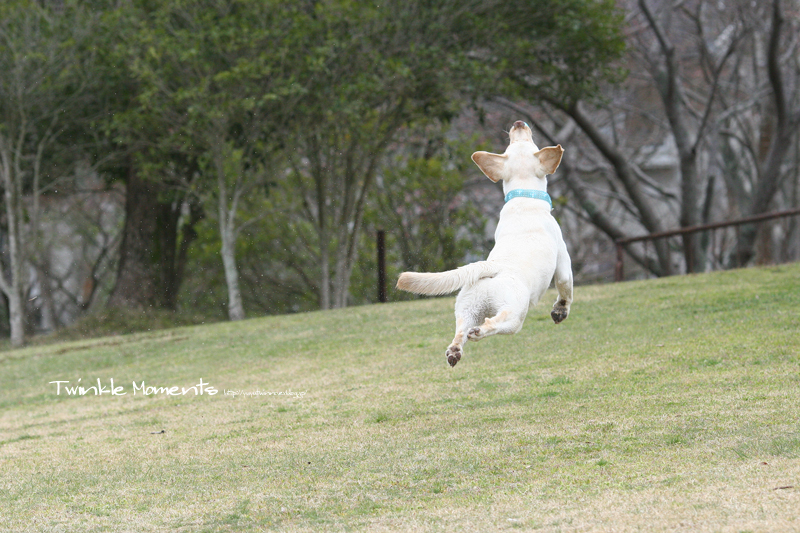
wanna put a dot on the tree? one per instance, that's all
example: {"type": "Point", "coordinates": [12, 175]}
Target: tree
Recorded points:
{"type": "Point", "coordinates": [699, 87]}
{"type": "Point", "coordinates": [216, 75]}
{"type": "Point", "coordinates": [128, 147]}
{"type": "Point", "coordinates": [42, 84]}
{"type": "Point", "coordinates": [423, 197]}
{"type": "Point", "coordinates": [376, 70]}
{"type": "Point", "coordinates": [564, 57]}
{"type": "Point", "coordinates": [665, 71]}
{"type": "Point", "coordinates": [581, 54]}
{"type": "Point", "coordinates": [770, 90]}
{"type": "Point", "coordinates": [371, 71]}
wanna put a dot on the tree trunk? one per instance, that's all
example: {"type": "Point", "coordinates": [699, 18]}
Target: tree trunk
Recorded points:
{"type": "Point", "coordinates": [138, 273]}
{"type": "Point", "coordinates": [787, 122]}
{"type": "Point", "coordinates": [667, 81]}
{"type": "Point", "coordinates": [691, 213]}
{"type": "Point", "coordinates": [49, 319]}
{"type": "Point", "coordinates": [235, 307]}
{"type": "Point", "coordinates": [187, 235]}
{"type": "Point", "coordinates": [341, 278]}
{"type": "Point", "coordinates": [346, 254]}
{"type": "Point", "coordinates": [173, 240]}
{"type": "Point", "coordinates": [13, 289]}
{"type": "Point", "coordinates": [13, 286]}
{"type": "Point", "coordinates": [227, 222]}
{"type": "Point", "coordinates": [626, 174]}
{"type": "Point", "coordinates": [16, 312]}
{"type": "Point", "coordinates": [167, 243]}
{"type": "Point", "coordinates": [151, 259]}
{"type": "Point", "coordinates": [325, 275]}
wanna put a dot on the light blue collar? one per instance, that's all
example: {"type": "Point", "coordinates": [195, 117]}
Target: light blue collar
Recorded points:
{"type": "Point", "coordinates": [529, 193]}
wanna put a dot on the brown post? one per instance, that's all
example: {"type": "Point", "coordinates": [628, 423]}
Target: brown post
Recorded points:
{"type": "Point", "coordinates": [688, 252]}
{"type": "Point", "coordinates": [381, 266]}
{"type": "Point", "coordinates": [713, 249]}
{"type": "Point", "coordinates": [618, 273]}
{"type": "Point", "coordinates": [738, 246]}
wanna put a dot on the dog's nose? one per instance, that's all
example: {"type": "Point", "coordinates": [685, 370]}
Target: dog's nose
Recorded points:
{"type": "Point", "coordinates": [519, 124]}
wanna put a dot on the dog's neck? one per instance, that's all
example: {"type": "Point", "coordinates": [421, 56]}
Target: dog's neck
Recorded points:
{"type": "Point", "coordinates": [529, 193]}
{"type": "Point", "coordinates": [532, 183]}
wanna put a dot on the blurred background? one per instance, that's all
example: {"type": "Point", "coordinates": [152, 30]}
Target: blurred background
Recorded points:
{"type": "Point", "coordinates": [186, 161]}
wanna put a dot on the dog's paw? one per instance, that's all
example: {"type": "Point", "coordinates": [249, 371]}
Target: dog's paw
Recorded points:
{"type": "Point", "coordinates": [559, 314]}
{"type": "Point", "coordinates": [475, 334]}
{"type": "Point", "coordinates": [453, 354]}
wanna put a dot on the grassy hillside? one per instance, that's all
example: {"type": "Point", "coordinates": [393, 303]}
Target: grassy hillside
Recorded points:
{"type": "Point", "coordinates": [659, 405]}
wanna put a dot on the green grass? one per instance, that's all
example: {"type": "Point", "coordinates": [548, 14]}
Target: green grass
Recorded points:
{"type": "Point", "coordinates": [111, 322]}
{"type": "Point", "coordinates": [658, 405]}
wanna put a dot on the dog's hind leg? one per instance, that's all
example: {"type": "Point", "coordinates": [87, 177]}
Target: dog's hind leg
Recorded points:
{"type": "Point", "coordinates": [505, 322]}
{"type": "Point", "coordinates": [563, 277]}
{"type": "Point", "coordinates": [464, 322]}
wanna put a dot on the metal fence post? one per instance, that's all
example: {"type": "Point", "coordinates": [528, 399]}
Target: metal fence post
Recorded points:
{"type": "Point", "coordinates": [381, 266]}
{"type": "Point", "coordinates": [618, 273]}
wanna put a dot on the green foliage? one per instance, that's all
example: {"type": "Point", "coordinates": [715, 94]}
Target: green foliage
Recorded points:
{"type": "Point", "coordinates": [125, 321]}
{"type": "Point", "coordinates": [203, 289]}
{"type": "Point", "coordinates": [558, 50]}
{"type": "Point", "coordinates": [206, 72]}
{"type": "Point", "coordinates": [45, 88]}
{"type": "Point", "coordinates": [272, 258]}
{"type": "Point", "coordinates": [431, 222]}
{"type": "Point", "coordinates": [226, 90]}
{"type": "Point", "coordinates": [371, 71]}
{"type": "Point", "coordinates": [364, 59]}
{"type": "Point", "coordinates": [305, 100]}
{"type": "Point", "coordinates": [436, 223]}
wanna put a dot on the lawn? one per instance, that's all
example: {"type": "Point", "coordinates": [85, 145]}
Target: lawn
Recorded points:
{"type": "Point", "coordinates": [660, 405]}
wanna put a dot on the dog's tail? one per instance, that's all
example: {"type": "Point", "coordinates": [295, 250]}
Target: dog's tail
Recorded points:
{"type": "Point", "coordinates": [446, 282]}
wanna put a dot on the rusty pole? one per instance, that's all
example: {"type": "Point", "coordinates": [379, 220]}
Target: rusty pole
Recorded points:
{"type": "Point", "coordinates": [381, 266]}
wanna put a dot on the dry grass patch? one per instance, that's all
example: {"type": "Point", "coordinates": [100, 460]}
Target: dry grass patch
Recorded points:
{"type": "Point", "coordinates": [661, 405]}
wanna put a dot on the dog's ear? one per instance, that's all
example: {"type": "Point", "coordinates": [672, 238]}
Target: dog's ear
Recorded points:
{"type": "Point", "coordinates": [550, 158]}
{"type": "Point", "coordinates": [490, 164]}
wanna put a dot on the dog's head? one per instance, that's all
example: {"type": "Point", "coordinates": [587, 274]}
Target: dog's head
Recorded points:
{"type": "Point", "coordinates": [521, 160]}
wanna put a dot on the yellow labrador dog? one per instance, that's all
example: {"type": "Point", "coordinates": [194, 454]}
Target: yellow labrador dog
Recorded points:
{"type": "Point", "coordinates": [529, 250]}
